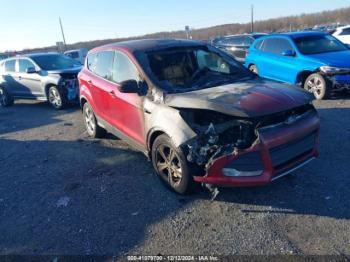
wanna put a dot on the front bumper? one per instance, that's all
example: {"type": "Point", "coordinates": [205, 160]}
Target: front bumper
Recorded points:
{"type": "Point", "coordinates": [340, 81]}
{"type": "Point", "coordinates": [281, 149]}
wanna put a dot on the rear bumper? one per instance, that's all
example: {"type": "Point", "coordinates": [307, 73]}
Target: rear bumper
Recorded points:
{"type": "Point", "coordinates": [281, 149]}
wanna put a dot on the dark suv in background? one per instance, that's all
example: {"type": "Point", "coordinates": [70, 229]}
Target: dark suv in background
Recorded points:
{"type": "Point", "coordinates": [236, 45]}
{"type": "Point", "coordinates": [47, 77]}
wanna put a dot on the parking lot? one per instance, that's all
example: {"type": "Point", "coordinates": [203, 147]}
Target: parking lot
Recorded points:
{"type": "Point", "coordinates": [63, 193]}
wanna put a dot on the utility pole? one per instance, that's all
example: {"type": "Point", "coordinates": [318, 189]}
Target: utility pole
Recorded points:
{"type": "Point", "coordinates": [64, 39]}
{"type": "Point", "coordinates": [252, 21]}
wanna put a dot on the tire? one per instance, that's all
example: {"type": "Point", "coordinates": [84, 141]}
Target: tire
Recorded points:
{"type": "Point", "coordinates": [6, 99]}
{"type": "Point", "coordinates": [92, 128]}
{"type": "Point", "coordinates": [318, 85]}
{"type": "Point", "coordinates": [171, 165]}
{"type": "Point", "coordinates": [56, 98]}
{"type": "Point", "coordinates": [254, 69]}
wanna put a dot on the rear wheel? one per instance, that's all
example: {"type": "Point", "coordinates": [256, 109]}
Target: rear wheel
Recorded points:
{"type": "Point", "coordinates": [56, 98]}
{"type": "Point", "coordinates": [318, 85]}
{"type": "Point", "coordinates": [6, 99]}
{"type": "Point", "coordinates": [93, 129]}
{"type": "Point", "coordinates": [254, 69]}
{"type": "Point", "coordinates": [171, 165]}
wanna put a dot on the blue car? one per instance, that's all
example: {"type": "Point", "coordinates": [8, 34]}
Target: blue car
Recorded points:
{"type": "Point", "coordinates": [317, 61]}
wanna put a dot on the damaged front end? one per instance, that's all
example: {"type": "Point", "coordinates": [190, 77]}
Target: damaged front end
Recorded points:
{"type": "Point", "coordinates": [217, 135]}
{"type": "Point", "coordinates": [235, 151]}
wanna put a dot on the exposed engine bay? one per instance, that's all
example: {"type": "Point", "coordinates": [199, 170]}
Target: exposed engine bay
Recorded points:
{"type": "Point", "coordinates": [220, 134]}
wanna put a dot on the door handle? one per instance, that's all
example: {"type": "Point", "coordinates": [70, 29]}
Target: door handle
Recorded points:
{"type": "Point", "coordinates": [90, 82]}
{"type": "Point", "coordinates": [112, 94]}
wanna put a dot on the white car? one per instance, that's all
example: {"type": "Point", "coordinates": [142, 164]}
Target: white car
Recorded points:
{"type": "Point", "coordinates": [343, 34]}
{"type": "Point", "coordinates": [78, 55]}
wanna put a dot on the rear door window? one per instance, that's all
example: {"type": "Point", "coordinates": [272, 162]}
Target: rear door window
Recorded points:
{"type": "Point", "coordinates": [123, 69]}
{"type": "Point", "coordinates": [10, 66]}
{"type": "Point", "coordinates": [103, 67]}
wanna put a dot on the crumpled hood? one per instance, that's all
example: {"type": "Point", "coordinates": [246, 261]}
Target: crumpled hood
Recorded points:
{"type": "Point", "coordinates": [246, 99]}
{"type": "Point", "coordinates": [339, 59]}
{"type": "Point", "coordinates": [74, 70]}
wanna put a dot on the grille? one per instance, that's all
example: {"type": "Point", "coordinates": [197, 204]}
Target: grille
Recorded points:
{"type": "Point", "coordinates": [283, 154]}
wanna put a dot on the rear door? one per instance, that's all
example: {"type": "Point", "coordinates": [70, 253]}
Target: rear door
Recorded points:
{"type": "Point", "coordinates": [9, 77]}
{"type": "Point", "coordinates": [31, 82]}
{"type": "Point", "coordinates": [97, 79]}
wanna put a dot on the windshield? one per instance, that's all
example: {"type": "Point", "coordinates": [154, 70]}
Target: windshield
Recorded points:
{"type": "Point", "coordinates": [185, 69]}
{"type": "Point", "coordinates": [55, 62]}
{"type": "Point", "coordinates": [319, 44]}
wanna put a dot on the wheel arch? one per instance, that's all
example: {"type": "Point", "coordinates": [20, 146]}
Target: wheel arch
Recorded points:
{"type": "Point", "coordinates": [152, 136]}
{"type": "Point", "coordinates": [303, 75]}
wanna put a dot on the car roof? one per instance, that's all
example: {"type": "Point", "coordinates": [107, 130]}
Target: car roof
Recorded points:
{"type": "Point", "coordinates": [295, 35]}
{"type": "Point", "coordinates": [150, 44]}
{"type": "Point", "coordinates": [238, 35]}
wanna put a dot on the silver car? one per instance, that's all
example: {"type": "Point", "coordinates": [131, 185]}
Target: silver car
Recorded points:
{"type": "Point", "coordinates": [49, 77]}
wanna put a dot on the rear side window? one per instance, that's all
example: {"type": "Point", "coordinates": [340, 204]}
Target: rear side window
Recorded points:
{"type": "Point", "coordinates": [104, 62]}
{"type": "Point", "coordinates": [91, 62]}
{"type": "Point", "coordinates": [276, 45]}
{"type": "Point", "coordinates": [10, 66]}
{"type": "Point", "coordinates": [259, 45]}
{"type": "Point", "coordinates": [123, 69]}
{"type": "Point", "coordinates": [24, 64]}
{"type": "Point", "coordinates": [345, 31]}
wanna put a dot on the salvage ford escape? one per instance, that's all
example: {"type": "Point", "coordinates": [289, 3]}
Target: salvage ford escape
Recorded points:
{"type": "Point", "coordinates": [49, 77]}
{"type": "Point", "coordinates": [197, 113]}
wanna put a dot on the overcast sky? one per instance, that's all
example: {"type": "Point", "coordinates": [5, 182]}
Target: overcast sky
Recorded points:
{"type": "Point", "coordinates": [28, 24]}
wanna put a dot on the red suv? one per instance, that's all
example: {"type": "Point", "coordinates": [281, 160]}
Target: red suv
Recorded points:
{"type": "Point", "coordinates": [197, 113]}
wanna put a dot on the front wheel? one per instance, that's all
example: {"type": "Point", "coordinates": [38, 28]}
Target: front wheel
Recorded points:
{"type": "Point", "coordinates": [56, 98]}
{"type": "Point", "coordinates": [318, 85]}
{"type": "Point", "coordinates": [171, 165]}
{"type": "Point", "coordinates": [6, 99]}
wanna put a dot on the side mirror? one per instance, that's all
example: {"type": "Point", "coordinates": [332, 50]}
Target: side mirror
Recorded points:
{"type": "Point", "coordinates": [31, 70]}
{"type": "Point", "coordinates": [288, 53]}
{"type": "Point", "coordinates": [129, 86]}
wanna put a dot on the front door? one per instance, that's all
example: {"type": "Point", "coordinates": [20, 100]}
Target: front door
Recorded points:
{"type": "Point", "coordinates": [126, 109]}
{"type": "Point", "coordinates": [31, 82]}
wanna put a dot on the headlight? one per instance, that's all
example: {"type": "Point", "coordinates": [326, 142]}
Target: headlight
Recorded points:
{"type": "Point", "coordinates": [334, 70]}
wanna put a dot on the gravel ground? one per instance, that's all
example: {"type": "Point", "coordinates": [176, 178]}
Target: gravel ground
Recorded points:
{"type": "Point", "coordinates": [63, 193]}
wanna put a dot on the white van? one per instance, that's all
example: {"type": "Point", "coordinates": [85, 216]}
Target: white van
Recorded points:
{"type": "Point", "coordinates": [78, 54]}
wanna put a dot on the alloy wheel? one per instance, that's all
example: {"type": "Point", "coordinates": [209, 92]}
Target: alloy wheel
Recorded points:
{"type": "Point", "coordinates": [89, 120]}
{"type": "Point", "coordinates": [315, 85]}
{"type": "Point", "coordinates": [168, 164]}
{"type": "Point", "coordinates": [55, 98]}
